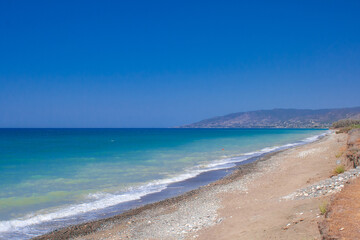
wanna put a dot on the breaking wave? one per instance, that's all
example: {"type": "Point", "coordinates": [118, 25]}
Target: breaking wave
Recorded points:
{"type": "Point", "coordinates": [100, 201]}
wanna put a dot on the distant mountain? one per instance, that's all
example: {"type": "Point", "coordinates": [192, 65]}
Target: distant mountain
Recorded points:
{"type": "Point", "coordinates": [279, 118]}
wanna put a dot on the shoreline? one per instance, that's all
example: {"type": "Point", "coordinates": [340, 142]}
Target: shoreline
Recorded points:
{"type": "Point", "coordinates": [239, 172]}
{"type": "Point", "coordinates": [78, 230]}
{"type": "Point", "coordinates": [102, 204]}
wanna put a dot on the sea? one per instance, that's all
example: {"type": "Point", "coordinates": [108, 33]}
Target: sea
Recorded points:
{"type": "Point", "coordinates": [52, 178]}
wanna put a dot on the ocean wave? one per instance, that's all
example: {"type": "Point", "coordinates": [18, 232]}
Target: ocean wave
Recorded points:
{"type": "Point", "coordinates": [98, 201]}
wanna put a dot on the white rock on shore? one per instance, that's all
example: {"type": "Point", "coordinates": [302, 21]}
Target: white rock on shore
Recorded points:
{"type": "Point", "coordinates": [325, 187]}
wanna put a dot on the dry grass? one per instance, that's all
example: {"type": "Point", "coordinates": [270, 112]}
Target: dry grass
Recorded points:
{"type": "Point", "coordinates": [342, 150]}
{"type": "Point", "coordinates": [347, 129]}
{"type": "Point", "coordinates": [323, 207]}
{"type": "Point", "coordinates": [338, 155]}
{"type": "Point", "coordinates": [339, 169]}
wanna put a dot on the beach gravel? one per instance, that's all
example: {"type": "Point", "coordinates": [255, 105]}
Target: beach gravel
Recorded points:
{"type": "Point", "coordinates": [183, 219]}
{"type": "Point", "coordinates": [325, 187]}
{"type": "Point", "coordinates": [213, 209]}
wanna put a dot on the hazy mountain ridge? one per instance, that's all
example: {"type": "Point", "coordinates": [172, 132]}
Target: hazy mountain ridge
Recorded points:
{"type": "Point", "coordinates": [279, 118]}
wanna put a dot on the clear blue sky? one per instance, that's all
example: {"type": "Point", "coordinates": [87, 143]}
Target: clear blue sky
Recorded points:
{"type": "Point", "coordinates": [168, 63]}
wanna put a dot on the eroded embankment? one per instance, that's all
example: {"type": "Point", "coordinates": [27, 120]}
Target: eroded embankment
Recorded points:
{"type": "Point", "coordinates": [353, 147]}
{"type": "Point", "coordinates": [342, 220]}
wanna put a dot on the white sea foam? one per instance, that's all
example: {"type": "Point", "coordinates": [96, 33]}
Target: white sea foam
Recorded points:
{"type": "Point", "coordinates": [103, 200]}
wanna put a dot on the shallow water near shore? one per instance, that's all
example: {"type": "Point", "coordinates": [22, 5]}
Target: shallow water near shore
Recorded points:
{"type": "Point", "coordinates": [51, 178]}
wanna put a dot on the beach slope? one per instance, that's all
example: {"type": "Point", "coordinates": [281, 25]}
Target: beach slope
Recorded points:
{"type": "Point", "coordinates": [255, 202]}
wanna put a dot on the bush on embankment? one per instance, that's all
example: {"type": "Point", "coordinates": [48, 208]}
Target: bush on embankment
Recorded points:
{"type": "Point", "coordinates": [353, 147]}
{"type": "Point", "coordinates": [345, 125]}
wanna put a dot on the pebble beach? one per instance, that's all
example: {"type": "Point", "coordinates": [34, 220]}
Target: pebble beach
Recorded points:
{"type": "Point", "coordinates": [258, 199]}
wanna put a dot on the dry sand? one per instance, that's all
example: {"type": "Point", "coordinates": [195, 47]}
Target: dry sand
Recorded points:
{"type": "Point", "coordinates": [262, 214]}
{"type": "Point", "coordinates": [248, 204]}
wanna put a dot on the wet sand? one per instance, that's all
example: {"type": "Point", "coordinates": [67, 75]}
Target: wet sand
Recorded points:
{"type": "Point", "coordinates": [248, 204]}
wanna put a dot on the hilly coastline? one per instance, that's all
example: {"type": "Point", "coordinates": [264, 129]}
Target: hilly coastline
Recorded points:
{"type": "Point", "coordinates": [279, 118]}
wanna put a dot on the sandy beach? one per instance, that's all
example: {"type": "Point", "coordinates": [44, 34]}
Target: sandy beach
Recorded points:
{"type": "Point", "coordinates": [179, 120]}
{"type": "Point", "coordinates": [252, 203]}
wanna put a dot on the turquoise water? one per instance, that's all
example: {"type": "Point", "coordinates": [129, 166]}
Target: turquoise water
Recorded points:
{"type": "Point", "coordinates": [51, 174]}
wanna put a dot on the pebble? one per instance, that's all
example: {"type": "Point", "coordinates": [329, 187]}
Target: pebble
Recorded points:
{"type": "Point", "coordinates": [193, 213]}
{"type": "Point", "coordinates": [328, 186]}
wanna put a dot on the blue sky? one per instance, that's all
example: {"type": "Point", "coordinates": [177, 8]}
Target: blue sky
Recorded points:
{"type": "Point", "coordinates": [168, 63]}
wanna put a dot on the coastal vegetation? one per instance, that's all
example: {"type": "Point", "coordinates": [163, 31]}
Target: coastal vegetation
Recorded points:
{"type": "Point", "coordinates": [345, 125]}
{"type": "Point", "coordinates": [339, 154]}
{"type": "Point", "coordinates": [323, 207]}
{"type": "Point", "coordinates": [339, 169]}
{"type": "Point", "coordinates": [353, 147]}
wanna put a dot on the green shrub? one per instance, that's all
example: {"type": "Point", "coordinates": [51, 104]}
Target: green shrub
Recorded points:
{"type": "Point", "coordinates": [338, 154]}
{"type": "Point", "coordinates": [339, 169]}
{"type": "Point", "coordinates": [323, 207]}
{"type": "Point", "coordinates": [346, 123]}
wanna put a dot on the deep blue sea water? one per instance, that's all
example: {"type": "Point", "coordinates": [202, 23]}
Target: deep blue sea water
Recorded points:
{"type": "Point", "coordinates": [51, 177]}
